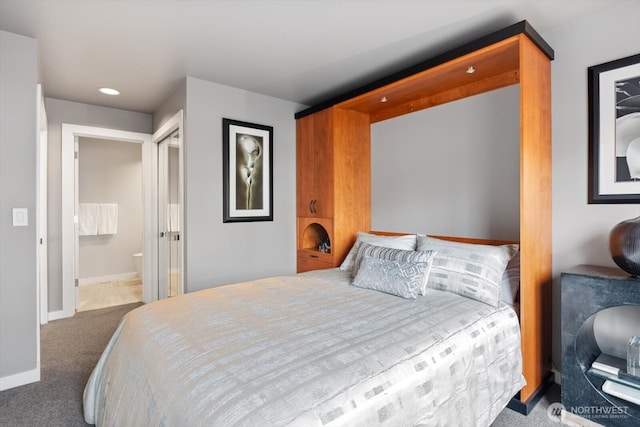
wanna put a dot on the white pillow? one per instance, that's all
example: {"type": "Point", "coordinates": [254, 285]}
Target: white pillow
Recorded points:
{"type": "Point", "coordinates": [406, 242]}
{"type": "Point", "coordinates": [471, 270]}
{"type": "Point", "coordinates": [511, 281]}
{"type": "Point", "coordinates": [403, 279]}
{"type": "Point", "coordinates": [399, 255]}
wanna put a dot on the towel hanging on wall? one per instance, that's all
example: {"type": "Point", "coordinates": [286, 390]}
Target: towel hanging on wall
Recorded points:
{"type": "Point", "coordinates": [108, 218]}
{"type": "Point", "coordinates": [87, 219]}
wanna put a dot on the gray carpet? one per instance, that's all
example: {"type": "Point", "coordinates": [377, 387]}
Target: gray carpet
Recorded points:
{"type": "Point", "coordinates": [70, 348]}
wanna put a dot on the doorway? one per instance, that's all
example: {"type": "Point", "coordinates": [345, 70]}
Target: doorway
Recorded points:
{"type": "Point", "coordinates": [70, 265]}
{"type": "Point", "coordinates": [152, 289]}
{"type": "Point", "coordinates": [110, 221]}
{"type": "Point", "coordinates": [169, 143]}
{"type": "Point", "coordinates": [169, 207]}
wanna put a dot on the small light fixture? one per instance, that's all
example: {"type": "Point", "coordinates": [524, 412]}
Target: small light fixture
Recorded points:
{"type": "Point", "coordinates": [109, 91]}
{"type": "Point", "coordinates": [471, 70]}
{"type": "Point", "coordinates": [383, 99]}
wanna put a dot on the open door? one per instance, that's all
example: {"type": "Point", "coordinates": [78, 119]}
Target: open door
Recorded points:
{"type": "Point", "coordinates": [170, 243]}
{"type": "Point", "coordinates": [169, 207]}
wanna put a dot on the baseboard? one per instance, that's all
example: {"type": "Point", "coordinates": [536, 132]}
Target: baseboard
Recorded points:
{"type": "Point", "coordinates": [526, 407]}
{"type": "Point", "coordinates": [110, 278]}
{"type": "Point", "coordinates": [57, 315]}
{"type": "Point", "coordinates": [22, 378]}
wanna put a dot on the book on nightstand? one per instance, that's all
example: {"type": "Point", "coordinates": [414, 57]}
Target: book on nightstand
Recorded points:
{"type": "Point", "coordinates": [630, 394]}
{"type": "Point", "coordinates": [610, 364]}
{"type": "Point", "coordinates": [629, 378]}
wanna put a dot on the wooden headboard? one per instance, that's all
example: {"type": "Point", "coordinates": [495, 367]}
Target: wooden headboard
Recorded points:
{"type": "Point", "coordinates": [473, 240]}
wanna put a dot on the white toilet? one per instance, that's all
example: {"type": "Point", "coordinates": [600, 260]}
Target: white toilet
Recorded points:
{"type": "Point", "coordinates": [137, 260]}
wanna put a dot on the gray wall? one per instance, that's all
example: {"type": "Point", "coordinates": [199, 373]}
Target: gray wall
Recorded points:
{"type": "Point", "coordinates": [18, 287]}
{"type": "Point", "coordinates": [175, 102]}
{"type": "Point", "coordinates": [58, 112]}
{"type": "Point", "coordinates": [450, 170]}
{"type": "Point", "coordinates": [218, 253]}
{"type": "Point", "coordinates": [111, 172]}
{"type": "Point", "coordinates": [581, 231]}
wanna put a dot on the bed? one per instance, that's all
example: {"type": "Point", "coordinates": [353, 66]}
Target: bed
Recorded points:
{"type": "Point", "coordinates": [315, 349]}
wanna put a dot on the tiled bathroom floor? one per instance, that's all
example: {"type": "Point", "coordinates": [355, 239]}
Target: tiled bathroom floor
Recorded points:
{"type": "Point", "coordinates": [107, 294]}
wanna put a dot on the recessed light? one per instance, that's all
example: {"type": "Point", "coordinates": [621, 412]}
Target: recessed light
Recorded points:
{"type": "Point", "coordinates": [109, 91]}
{"type": "Point", "coordinates": [471, 70]}
{"type": "Point", "coordinates": [383, 99]}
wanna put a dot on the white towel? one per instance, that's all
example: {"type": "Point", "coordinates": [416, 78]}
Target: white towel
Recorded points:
{"type": "Point", "coordinates": [87, 219]}
{"type": "Point", "coordinates": [108, 218]}
{"type": "Point", "coordinates": [173, 217]}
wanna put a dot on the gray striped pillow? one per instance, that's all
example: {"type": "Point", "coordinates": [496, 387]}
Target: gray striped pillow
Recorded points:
{"type": "Point", "coordinates": [390, 254]}
{"type": "Point", "coordinates": [407, 242]}
{"type": "Point", "coordinates": [403, 279]}
{"type": "Point", "coordinates": [471, 270]}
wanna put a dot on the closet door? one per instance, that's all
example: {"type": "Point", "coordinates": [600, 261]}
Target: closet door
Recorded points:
{"type": "Point", "coordinates": [315, 165]}
{"type": "Point", "coordinates": [169, 242]}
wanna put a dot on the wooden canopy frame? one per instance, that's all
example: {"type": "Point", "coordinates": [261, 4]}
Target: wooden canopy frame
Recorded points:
{"type": "Point", "coordinates": [513, 55]}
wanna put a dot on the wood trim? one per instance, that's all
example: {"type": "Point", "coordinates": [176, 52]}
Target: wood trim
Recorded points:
{"type": "Point", "coordinates": [522, 27]}
{"type": "Point", "coordinates": [535, 215]}
{"type": "Point", "coordinates": [493, 67]}
{"type": "Point", "coordinates": [471, 240]}
{"type": "Point", "coordinates": [352, 175]}
{"type": "Point", "coordinates": [507, 78]}
{"type": "Point", "coordinates": [516, 54]}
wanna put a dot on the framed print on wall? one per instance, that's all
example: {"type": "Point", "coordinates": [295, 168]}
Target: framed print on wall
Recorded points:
{"type": "Point", "coordinates": [247, 166]}
{"type": "Point", "coordinates": [614, 131]}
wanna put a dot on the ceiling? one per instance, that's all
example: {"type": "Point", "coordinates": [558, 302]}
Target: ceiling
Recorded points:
{"type": "Point", "coordinates": [303, 51]}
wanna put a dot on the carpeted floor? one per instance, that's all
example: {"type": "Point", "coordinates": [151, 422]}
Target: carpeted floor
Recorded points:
{"type": "Point", "coordinates": [70, 348]}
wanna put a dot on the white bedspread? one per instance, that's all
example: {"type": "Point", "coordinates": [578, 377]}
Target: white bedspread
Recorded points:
{"type": "Point", "coordinates": [306, 351]}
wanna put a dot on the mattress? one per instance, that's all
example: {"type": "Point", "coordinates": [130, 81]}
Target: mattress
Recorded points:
{"type": "Point", "coordinates": [307, 350]}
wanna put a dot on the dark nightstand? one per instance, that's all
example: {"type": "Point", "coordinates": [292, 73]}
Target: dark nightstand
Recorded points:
{"type": "Point", "coordinates": [586, 290]}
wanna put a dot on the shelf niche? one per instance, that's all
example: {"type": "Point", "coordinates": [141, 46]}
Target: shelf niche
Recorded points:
{"type": "Point", "coordinates": [588, 349]}
{"type": "Point", "coordinates": [313, 236]}
{"type": "Point", "coordinates": [589, 292]}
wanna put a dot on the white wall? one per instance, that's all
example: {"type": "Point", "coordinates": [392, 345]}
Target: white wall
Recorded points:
{"type": "Point", "coordinates": [19, 358]}
{"type": "Point", "coordinates": [58, 112]}
{"type": "Point", "coordinates": [450, 170]}
{"type": "Point", "coordinates": [581, 231]}
{"type": "Point", "coordinates": [217, 253]}
{"type": "Point", "coordinates": [111, 172]}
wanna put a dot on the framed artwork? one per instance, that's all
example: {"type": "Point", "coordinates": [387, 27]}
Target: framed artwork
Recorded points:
{"type": "Point", "coordinates": [614, 131]}
{"type": "Point", "coordinates": [247, 166]}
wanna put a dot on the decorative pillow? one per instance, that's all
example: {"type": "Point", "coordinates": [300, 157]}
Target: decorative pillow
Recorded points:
{"type": "Point", "coordinates": [403, 279]}
{"type": "Point", "coordinates": [389, 254]}
{"type": "Point", "coordinates": [471, 270]}
{"type": "Point", "coordinates": [407, 242]}
{"type": "Point", "coordinates": [511, 280]}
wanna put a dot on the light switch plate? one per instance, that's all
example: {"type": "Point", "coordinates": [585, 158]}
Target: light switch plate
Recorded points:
{"type": "Point", "coordinates": [20, 217]}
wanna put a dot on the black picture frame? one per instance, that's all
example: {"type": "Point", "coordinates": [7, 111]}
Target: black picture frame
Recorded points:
{"type": "Point", "coordinates": [247, 167]}
{"type": "Point", "coordinates": [614, 119]}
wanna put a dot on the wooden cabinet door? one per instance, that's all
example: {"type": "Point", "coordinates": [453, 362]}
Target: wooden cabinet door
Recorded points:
{"type": "Point", "coordinates": [305, 166]}
{"type": "Point", "coordinates": [314, 158]}
{"type": "Point", "coordinates": [323, 164]}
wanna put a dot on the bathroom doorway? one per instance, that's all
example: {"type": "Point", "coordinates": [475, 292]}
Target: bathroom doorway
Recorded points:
{"type": "Point", "coordinates": [110, 223]}
{"type": "Point", "coordinates": [152, 288]}
{"type": "Point", "coordinates": [70, 206]}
